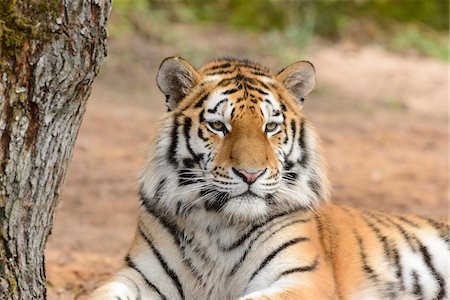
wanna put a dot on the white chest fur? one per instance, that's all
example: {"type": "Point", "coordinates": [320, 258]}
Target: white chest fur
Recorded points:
{"type": "Point", "coordinates": [207, 258]}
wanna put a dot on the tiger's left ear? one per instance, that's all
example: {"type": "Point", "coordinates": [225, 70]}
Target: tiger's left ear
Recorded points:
{"type": "Point", "coordinates": [299, 78]}
{"type": "Point", "coordinates": [176, 78]}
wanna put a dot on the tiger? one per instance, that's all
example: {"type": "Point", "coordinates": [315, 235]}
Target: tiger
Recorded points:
{"type": "Point", "coordinates": [235, 202]}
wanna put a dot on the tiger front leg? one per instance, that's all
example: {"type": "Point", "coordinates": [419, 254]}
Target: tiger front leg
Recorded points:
{"type": "Point", "coordinates": [312, 282]}
{"type": "Point", "coordinates": [289, 293]}
{"type": "Point", "coordinates": [126, 285]}
{"type": "Point", "coordinates": [114, 290]}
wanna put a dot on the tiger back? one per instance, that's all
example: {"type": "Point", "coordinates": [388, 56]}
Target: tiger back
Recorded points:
{"type": "Point", "coordinates": [234, 203]}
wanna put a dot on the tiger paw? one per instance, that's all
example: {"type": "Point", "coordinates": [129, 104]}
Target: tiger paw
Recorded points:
{"type": "Point", "coordinates": [256, 297]}
{"type": "Point", "coordinates": [112, 290]}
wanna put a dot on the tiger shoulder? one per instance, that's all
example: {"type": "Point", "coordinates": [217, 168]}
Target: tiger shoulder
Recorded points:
{"type": "Point", "coordinates": [235, 203]}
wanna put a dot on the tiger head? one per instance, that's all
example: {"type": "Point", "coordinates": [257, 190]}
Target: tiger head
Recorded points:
{"type": "Point", "coordinates": [234, 141]}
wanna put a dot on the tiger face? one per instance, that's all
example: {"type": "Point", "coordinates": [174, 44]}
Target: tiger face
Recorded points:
{"type": "Point", "coordinates": [234, 141]}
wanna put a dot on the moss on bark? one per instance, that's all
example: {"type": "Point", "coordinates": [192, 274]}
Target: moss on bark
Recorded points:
{"type": "Point", "coordinates": [25, 20]}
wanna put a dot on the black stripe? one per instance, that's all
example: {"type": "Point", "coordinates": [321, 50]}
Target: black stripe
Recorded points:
{"type": "Point", "coordinates": [387, 288]}
{"type": "Point", "coordinates": [201, 136]}
{"type": "Point", "coordinates": [222, 66]}
{"type": "Point", "coordinates": [308, 268]}
{"type": "Point", "coordinates": [399, 271]}
{"type": "Point", "coordinates": [172, 151]}
{"type": "Point", "coordinates": [442, 228]}
{"type": "Point", "coordinates": [363, 256]}
{"type": "Point", "coordinates": [202, 99]}
{"type": "Point", "coordinates": [171, 227]}
{"type": "Point", "coordinates": [216, 202]}
{"type": "Point", "coordinates": [220, 72]}
{"type": "Point", "coordinates": [286, 225]}
{"type": "Point", "coordinates": [185, 176]}
{"type": "Point", "coordinates": [438, 225]}
{"type": "Point", "coordinates": [417, 288]}
{"type": "Point", "coordinates": [169, 271]}
{"type": "Point", "coordinates": [272, 255]}
{"type": "Point", "coordinates": [214, 109]}
{"type": "Point", "coordinates": [427, 259]}
{"type": "Point", "coordinates": [321, 233]}
{"type": "Point", "coordinates": [166, 222]}
{"type": "Point", "coordinates": [286, 135]}
{"type": "Point", "coordinates": [232, 112]}
{"type": "Point", "coordinates": [407, 221]}
{"type": "Point", "coordinates": [294, 133]}
{"type": "Point", "coordinates": [374, 216]}
{"type": "Point", "coordinates": [302, 144]}
{"type": "Point", "coordinates": [389, 250]}
{"type": "Point", "coordinates": [252, 88]}
{"type": "Point", "coordinates": [230, 91]}
{"type": "Point", "coordinates": [187, 135]}
{"type": "Point", "coordinates": [288, 165]}
{"type": "Point", "coordinates": [250, 245]}
{"type": "Point", "coordinates": [188, 261]}
{"type": "Point", "coordinates": [290, 177]}
{"type": "Point", "coordinates": [225, 82]}
{"type": "Point", "coordinates": [262, 83]}
{"type": "Point", "coordinates": [258, 73]}
{"type": "Point", "coordinates": [411, 240]}
{"type": "Point", "coordinates": [201, 116]}
{"type": "Point", "coordinates": [132, 265]}
{"type": "Point", "coordinates": [380, 237]}
{"type": "Point", "coordinates": [246, 235]}
{"type": "Point", "coordinates": [315, 187]}
{"type": "Point", "coordinates": [270, 199]}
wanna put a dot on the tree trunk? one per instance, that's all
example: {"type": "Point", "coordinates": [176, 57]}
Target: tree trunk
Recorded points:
{"type": "Point", "coordinates": [50, 53]}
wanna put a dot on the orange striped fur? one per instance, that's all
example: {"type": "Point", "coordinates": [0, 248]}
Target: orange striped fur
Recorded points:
{"type": "Point", "coordinates": [234, 203]}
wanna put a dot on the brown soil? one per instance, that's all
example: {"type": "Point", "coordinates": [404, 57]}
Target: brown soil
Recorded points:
{"type": "Point", "coordinates": [382, 119]}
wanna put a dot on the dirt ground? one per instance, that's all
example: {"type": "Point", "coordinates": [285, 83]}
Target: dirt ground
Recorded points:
{"type": "Point", "coordinates": [382, 117]}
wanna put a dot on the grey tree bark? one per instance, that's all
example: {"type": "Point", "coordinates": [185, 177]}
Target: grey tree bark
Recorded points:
{"type": "Point", "coordinates": [49, 56]}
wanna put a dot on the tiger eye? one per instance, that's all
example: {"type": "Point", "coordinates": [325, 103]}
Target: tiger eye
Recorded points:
{"type": "Point", "coordinates": [270, 127]}
{"type": "Point", "coordinates": [217, 125]}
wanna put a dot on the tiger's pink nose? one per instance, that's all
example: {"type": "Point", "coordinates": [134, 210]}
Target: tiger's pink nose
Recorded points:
{"type": "Point", "coordinates": [249, 175]}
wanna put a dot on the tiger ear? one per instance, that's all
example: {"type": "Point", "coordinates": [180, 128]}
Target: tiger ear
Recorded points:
{"type": "Point", "coordinates": [176, 78]}
{"type": "Point", "coordinates": [299, 78]}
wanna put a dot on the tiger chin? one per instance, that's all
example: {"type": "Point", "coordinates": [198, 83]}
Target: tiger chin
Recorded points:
{"type": "Point", "coordinates": [234, 203]}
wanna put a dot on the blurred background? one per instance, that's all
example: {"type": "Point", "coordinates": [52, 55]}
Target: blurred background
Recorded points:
{"type": "Point", "coordinates": [380, 107]}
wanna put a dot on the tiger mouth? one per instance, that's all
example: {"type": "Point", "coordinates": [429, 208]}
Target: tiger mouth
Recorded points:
{"type": "Point", "coordinates": [247, 193]}
{"type": "Point", "coordinates": [219, 201]}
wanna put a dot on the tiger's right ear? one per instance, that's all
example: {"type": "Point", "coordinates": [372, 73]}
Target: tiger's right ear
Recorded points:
{"type": "Point", "coordinates": [176, 78]}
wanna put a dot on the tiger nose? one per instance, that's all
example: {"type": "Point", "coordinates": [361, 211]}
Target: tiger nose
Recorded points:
{"type": "Point", "coordinates": [250, 175]}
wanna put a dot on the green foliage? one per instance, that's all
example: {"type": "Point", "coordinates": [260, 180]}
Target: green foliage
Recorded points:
{"type": "Point", "coordinates": [424, 43]}
{"type": "Point", "coordinates": [335, 15]}
{"type": "Point", "coordinates": [332, 15]}
{"type": "Point", "coordinates": [400, 25]}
